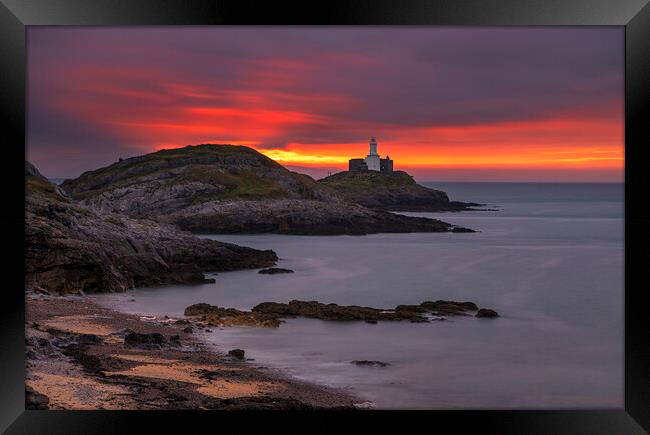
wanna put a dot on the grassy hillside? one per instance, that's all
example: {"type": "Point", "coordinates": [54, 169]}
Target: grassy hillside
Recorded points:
{"type": "Point", "coordinates": [198, 173]}
{"type": "Point", "coordinates": [396, 191]}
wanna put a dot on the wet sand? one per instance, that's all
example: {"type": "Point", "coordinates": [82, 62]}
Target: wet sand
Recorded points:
{"type": "Point", "coordinates": [77, 359]}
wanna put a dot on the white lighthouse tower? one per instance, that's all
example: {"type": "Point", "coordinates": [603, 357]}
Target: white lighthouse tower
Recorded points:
{"type": "Point", "coordinates": [372, 159]}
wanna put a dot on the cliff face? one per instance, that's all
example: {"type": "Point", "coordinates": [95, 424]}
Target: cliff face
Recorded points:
{"type": "Point", "coordinates": [306, 217]}
{"type": "Point", "coordinates": [396, 191]}
{"type": "Point", "coordinates": [230, 189]}
{"type": "Point", "coordinates": [72, 248]}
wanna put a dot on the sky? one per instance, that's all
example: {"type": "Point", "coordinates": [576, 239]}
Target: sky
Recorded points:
{"type": "Point", "coordinates": [445, 103]}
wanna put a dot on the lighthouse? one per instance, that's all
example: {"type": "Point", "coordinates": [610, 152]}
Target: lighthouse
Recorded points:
{"type": "Point", "coordinates": [372, 159]}
{"type": "Point", "coordinates": [372, 162]}
{"type": "Point", "coordinates": [373, 147]}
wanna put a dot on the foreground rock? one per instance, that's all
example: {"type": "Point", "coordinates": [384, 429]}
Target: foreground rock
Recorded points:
{"type": "Point", "coordinates": [391, 191]}
{"type": "Point", "coordinates": [231, 189]}
{"type": "Point", "coordinates": [71, 248]}
{"type": "Point", "coordinates": [274, 271]}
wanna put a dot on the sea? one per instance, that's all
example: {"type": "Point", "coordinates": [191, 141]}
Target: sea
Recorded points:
{"type": "Point", "coordinates": [547, 256]}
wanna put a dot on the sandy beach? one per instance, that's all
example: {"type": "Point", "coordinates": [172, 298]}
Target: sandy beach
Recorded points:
{"type": "Point", "coordinates": [77, 358]}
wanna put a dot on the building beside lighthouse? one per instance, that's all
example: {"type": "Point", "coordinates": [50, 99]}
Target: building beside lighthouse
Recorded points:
{"type": "Point", "coordinates": [372, 162]}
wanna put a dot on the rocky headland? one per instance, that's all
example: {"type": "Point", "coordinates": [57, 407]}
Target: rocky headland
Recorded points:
{"type": "Point", "coordinates": [396, 191]}
{"type": "Point", "coordinates": [231, 189]}
{"type": "Point", "coordinates": [73, 248]}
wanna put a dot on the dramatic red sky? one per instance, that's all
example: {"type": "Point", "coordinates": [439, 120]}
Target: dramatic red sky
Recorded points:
{"type": "Point", "coordinates": [464, 104]}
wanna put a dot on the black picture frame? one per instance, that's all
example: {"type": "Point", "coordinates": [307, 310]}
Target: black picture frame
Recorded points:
{"type": "Point", "coordinates": [634, 15]}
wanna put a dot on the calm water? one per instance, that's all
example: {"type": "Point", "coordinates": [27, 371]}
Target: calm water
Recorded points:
{"type": "Point", "coordinates": [550, 261]}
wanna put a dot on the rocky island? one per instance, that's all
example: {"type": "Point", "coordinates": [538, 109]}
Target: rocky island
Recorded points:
{"type": "Point", "coordinates": [394, 191]}
{"type": "Point", "coordinates": [231, 189]}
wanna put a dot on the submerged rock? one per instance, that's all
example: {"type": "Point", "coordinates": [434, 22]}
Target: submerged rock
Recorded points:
{"type": "Point", "coordinates": [274, 270]}
{"type": "Point", "coordinates": [237, 354]}
{"type": "Point", "coordinates": [486, 312]}
{"type": "Point", "coordinates": [367, 363]}
{"type": "Point", "coordinates": [462, 230]}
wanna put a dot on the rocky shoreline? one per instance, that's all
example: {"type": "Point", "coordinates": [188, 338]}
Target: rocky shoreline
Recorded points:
{"type": "Point", "coordinates": [83, 356]}
{"type": "Point", "coordinates": [71, 248]}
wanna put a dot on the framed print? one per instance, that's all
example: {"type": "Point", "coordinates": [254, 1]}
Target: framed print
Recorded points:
{"type": "Point", "coordinates": [242, 216]}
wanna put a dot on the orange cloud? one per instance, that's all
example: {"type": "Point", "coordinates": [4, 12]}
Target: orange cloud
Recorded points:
{"type": "Point", "coordinates": [544, 143]}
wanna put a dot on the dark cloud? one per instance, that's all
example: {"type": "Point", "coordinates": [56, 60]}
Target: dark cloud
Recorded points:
{"type": "Point", "coordinates": [86, 83]}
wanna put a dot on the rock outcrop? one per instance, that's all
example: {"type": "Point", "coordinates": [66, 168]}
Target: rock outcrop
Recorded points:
{"type": "Point", "coordinates": [72, 248]}
{"type": "Point", "coordinates": [395, 191]}
{"type": "Point", "coordinates": [318, 310]}
{"type": "Point", "coordinates": [231, 189]}
{"type": "Point", "coordinates": [269, 314]}
{"type": "Point", "coordinates": [220, 316]}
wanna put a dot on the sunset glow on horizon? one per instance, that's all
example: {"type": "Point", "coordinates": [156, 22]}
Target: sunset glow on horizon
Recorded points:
{"type": "Point", "coordinates": [504, 104]}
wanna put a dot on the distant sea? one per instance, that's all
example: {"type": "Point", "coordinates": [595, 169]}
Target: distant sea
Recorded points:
{"type": "Point", "coordinates": [550, 261]}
